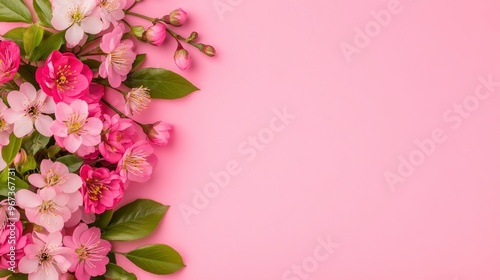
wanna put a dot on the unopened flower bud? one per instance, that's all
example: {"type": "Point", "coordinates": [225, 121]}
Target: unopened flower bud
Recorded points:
{"type": "Point", "coordinates": [182, 58]}
{"type": "Point", "coordinates": [177, 17]}
{"type": "Point", "coordinates": [193, 36]}
{"type": "Point", "coordinates": [155, 35]}
{"type": "Point", "coordinates": [158, 133]}
{"type": "Point", "coordinates": [208, 50]}
{"type": "Point", "coordinates": [20, 158]}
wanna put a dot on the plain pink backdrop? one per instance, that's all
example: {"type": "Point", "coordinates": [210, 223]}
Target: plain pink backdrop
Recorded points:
{"type": "Point", "coordinates": [323, 175]}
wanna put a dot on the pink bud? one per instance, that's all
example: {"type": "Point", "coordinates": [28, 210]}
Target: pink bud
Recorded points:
{"type": "Point", "coordinates": [182, 59]}
{"type": "Point", "coordinates": [158, 133]}
{"type": "Point", "coordinates": [177, 17]}
{"type": "Point", "coordinates": [156, 34]}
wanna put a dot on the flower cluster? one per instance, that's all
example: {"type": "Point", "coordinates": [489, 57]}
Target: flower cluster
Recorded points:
{"type": "Point", "coordinates": [68, 152]}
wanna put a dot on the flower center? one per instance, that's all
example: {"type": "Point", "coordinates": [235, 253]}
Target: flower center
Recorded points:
{"type": "Point", "coordinates": [95, 189]}
{"type": "Point", "coordinates": [135, 164]}
{"type": "Point", "coordinates": [82, 252]}
{"type": "Point", "coordinates": [64, 81]}
{"type": "Point", "coordinates": [4, 125]}
{"type": "Point", "coordinates": [77, 16]}
{"type": "Point", "coordinates": [47, 207]}
{"type": "Point", "coordinates": [44, 257]}
{"type": "Point", "coordinates": [32, 111]}
{"type": "Point", "coordinates": [110, 5]}
{"type": "Point", "coordinates": [75, 124]}
{"type": "Point", "coordinates": [52, 178]}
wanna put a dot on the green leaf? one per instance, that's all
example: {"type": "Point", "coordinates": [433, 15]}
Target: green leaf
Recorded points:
{"type": "Point", "coordinates": [10, 151]}
{"type": "Point", "coordinates": [104, 219]}
{"type": "Point", "coordinates": [30, 164]}
{"type": "Point", "coordinates": [53, 151]}
{"type": "Point", "coordinates": [138, 61]}
{"type": "Point", "coordinates": [17, 36]}
{"type": "Point", "coordinates": [32, 39]}
{"type": "Point", "coordinates": [18, 276]}
{"type": "Point", "coordinates": [14, 11]}
{"type": "Point", "coordinates": [52, 43]}
{"type": "Point", "coordinates": [115, 272]}
{"type": "Point", "coordinates": [164, 84]}
{"type": "Point", "coordinates": [35, 143]}
{"type": "Point", "coordinates": [5, 273]}
{"type": "Point", "coordinates": [92, 64]}
{"type": "Point", "coordinates": [157, 259]}
{"type": "Point", "coordinates": [135, 220]}
{"type": "Point", "coordinates": [43, 10]}
{"type": "Point", "coordinates": [27, 72]}
{"type": "Point", "coordinates": [73, 162]}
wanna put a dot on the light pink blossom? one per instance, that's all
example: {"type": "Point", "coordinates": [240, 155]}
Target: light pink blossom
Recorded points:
{"type": "Point", "coordinates": [80, 216]}
{"type": "Point", "coordinates": [158, 133]}
{"type": "Point", "coordinates": [10, 57]}
{"type": "Point", "coordinates": [101, 189]}
{"type": "Point", "coordinates": [90, 251]}
{"type": "Point", "coordinates": [5, 127]}
{"type": "Point", "coordinates": [111, 11]}
{"type": "Point", "coordinates": [138, 162]}
{"type": "Point", "coordinates": [55, 175]}
{"type": "Point", "coordinates": [120, 56]}
{"type": "Point", "coordinates": [28, 107]}
{"type": "Point", "coordinates": [118, 136]}
{"type": "Point", "coordinates": [73, 128]}
{"type": "Point", "coordinates": [137, 100]}
{"type": "Point", "coordinates": [46, 258]}
{"type": "Point", "coordinates": [77, 17]}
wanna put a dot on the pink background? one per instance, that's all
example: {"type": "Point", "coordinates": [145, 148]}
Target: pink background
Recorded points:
{"type": "Point", "coordinates": [323, 175]}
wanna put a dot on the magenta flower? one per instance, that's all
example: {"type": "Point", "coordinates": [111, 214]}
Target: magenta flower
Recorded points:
{"type": "Point", "coordinates": [10, 57]}
{"type": "Point", "coordinates": [119, 59]}
{"type": "Point", "coordinates": [182, 58]}
{"type": "Point", "coordinates": [64, 77]}
{"type": "Point", "coordinates": [118, 136]}
{"type": "Point", "coordinates": [101, 189]}
{"type": "Point", "coordinates": [156, 34]}
{"type": "Point", "coordinates": [10, 223]}
{"type": "Point", "coordinates": [158, 133]}
{"type": "Point", "coordinates": [55, 175]}
{"type": "Point", "coordinates": [46, 258]}
{"type": "Point", "coordinates": [93, 99]}
{"type": "Point", "coordinates": [28, 107]}
{"type": "Point", "coordinates": [5, 127]}
{"type": "Point", "coordinates": [48, 208]}
{"type": "Point", "coordinates": [138, 162]}
{"type": "Point", "coordinates": [177, 17]}
{"type": "Point", "coordinates": [111, 11]}
{"type": "Point", "coordinates": [73, 128]}
{"type": "Point", "coordinates": [90, 250]}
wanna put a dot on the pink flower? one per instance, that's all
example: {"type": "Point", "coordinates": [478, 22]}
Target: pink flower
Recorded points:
{"type": "Point", "coordinates": [101, 189]}
{"type": "Point", "coordinates": [111, 11]}
{"type": "Point", "coordinates": [46, 258]}
{"type": "Point", "coordinates": [93, 98]}
{"type": "Point", "coordinates": [118, 136]}
{"type": "Point", "coordinates": [47, 208]}
{"type": "Point", "coordinates": [77, 16]}
{"type": "Point", "coordinates": [156, 34]}
{"type": "Point", "coordinates": [55, 175]}
{"type": "Point", "coordinates": [79, 216]}
{"type": "Point", "coordinates": [118, 62]}
{"type": "Point", "coordinates": [10, 57]}
{"type": "Point", "coordinates": [73, 128]}
{"type": "Point", "coordinates": [26, 108]}
{"type": "Point", "coordinates": [177, 17]}
{"type": "Point", "coordinates": [90, 250]}
{"type": "Point", "coordinates": [5, 127]}
{"type": "Point", "coordinates": [9, 222]}
{"type": "Point", "coordinates": [3, 164]}
{"type": "Point", "coordinates": [64, 77]}
{"type": "Point", "coordinates": [137, 100]}
{"type": "Point", "coordinates": [138, 162]}
{"type": "Point", "coordinates": [158, 133]}
{"type": "Point", "coordinates": [182, 58]}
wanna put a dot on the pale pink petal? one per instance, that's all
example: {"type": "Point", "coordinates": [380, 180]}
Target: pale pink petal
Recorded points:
{"type": "Point", "coordinates": [63, 111]}
{"type": "Point", "coordinates": [72, 142]}
{"type": "Point", "coordinates": [37, 180]}
{"type": "Point", "coordinates": [74, 34]}
{"type": "Point", "coordinates": [42, 124]}
{"type": "Point", "coordinates": [28, 90]}
{"type": "Point", "coordinates": [72, 184]}
{"type": "Point", "coordinates": [23, 126]}
{"type": "Point", "coordinates": [16, 100]}
{"type": "Point", "coordinates": [12, 116]}
{"type": "Point", "coordinates": [28, 199]}
{"type": "Point", "coordinates": [27, 265]}
{"type": "Point", "coordinates": [91, 25]}
{"type": "Point", "coordinates": [50, 105]}
{"type": "Point", "coordinates": [59, 20]}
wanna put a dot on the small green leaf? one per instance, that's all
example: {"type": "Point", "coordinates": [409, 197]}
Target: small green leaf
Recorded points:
{"type": "Point", "coordinates": [115, 272]}
{"type": "Point", "coordinates": [14, 11]}
{"type": "Point", "coordinates": [92, 64]}
{"type": "Point", "coordinates": [32, 39]}
{"type": "Point", "coordinates": [35, 143]}
{"type": "Point", "coordinates": [30, 164]}
{"type": "Point", "coordinates": [138, 61]}
{"type": "Point", "coordinates": [43, 10]}
{"type": "Point", "coordinates": [157, 259]}
{"type": "Point", "coordinates": [53, 151]}
{"type": "Point", "coordinates": [52, 43]}
{"type": "Point", "coordinates": [135, 220]}
{"type": "Point", "coordinates": [163, 84]}
{"type": "Point", "coordinates": [72, 162]}
{"type": "Point", "coordinates": [17, 36]}
{"type": "Point", "coordinates": [27, 72]}
{"type": "Point", "coordinates": [10, 151]}
{"type": "Point", "coordinates": [5, 273]}
{"type": "Point", "coordinates": [104, 219]}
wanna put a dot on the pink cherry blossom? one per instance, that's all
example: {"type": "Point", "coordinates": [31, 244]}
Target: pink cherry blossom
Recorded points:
{"type": "Point", "coordinates": [46, 258]}
{"type": "Point", "coordinates": [159, 133]}
{"type": "Point", "coordinates": [90, 250]}
{"type": "Point", "coordinates": [93, 98]}
{"type": "Point", "coordinates": [73, 128]}
{"type": "Point", "coordinates": [101, 189]}
{"type": "Point", "coordinates": [55, 175]}
{"type": "Point", "coordinates": [5, 127]}
{"type": "Point", "coordinates": [9, 222]}
{"type": "Point", "coordinates": [28, 107]}
{"type": "Point", "coordinates": [156, 34]}
{"type": "Point", "coordinates": [120, 56]}
{"type": "Point", "coordinates": [64, 77]}
{"type": "Point", "coordinates": [137, 100]}
{"type": "Point", "coordinates": [47, 208]}
{"type": "Point", "coordinates": [10, 57]}
{"type": "Point", "coordinates": [138, 162]}
{"type": "Point", "coordinates": [80, 216]}
{"type": "Point", "coordinates": [77, 17]}
{"type": "Point", "coordinates": [118, 136]}
{"type": "Point", "coordinates": [111, 11]}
